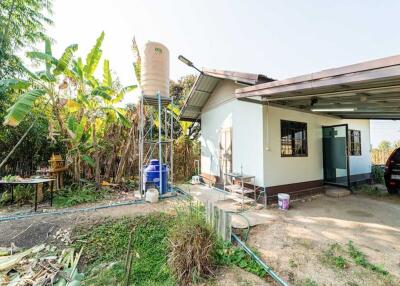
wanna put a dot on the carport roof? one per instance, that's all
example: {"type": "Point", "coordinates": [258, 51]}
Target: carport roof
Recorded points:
{"type": "Point", "coordinates": [205, 84]}
{"type": "Point", "coordinates": [368, 90]}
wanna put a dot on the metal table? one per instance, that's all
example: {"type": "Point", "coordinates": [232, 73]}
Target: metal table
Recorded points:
{"type": "Point", "coordinates": [34, 182]}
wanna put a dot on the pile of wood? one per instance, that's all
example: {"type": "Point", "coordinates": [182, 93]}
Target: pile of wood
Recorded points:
{"type": "Point", "coordinates": [40, 265]}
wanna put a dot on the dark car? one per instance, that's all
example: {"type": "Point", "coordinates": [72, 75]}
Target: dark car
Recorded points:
{"type": "Point", "coordinates": [392, 172]}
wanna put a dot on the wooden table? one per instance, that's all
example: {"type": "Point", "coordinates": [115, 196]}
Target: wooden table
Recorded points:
{"type": "Point", "coordinates": [34, 182]}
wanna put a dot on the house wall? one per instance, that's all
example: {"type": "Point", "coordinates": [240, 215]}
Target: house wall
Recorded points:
{"type": "Point", "coordinates": [292, 170]}
{"type": "Point", "coordinates": [221, 111]}
{"type": "Point", "coordinates": [256, 143]}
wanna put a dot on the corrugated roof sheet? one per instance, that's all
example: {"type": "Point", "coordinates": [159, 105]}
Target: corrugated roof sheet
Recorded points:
{"type": "Point", "coordinates": [206, 83]}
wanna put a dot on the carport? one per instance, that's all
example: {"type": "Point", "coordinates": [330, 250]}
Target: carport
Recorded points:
{"type": "Point", "coordinates": [367, 90]}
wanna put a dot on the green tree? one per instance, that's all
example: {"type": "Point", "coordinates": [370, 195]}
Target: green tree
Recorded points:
{"type": "Point", "coordinates": [385, 145]}
{"type": "Point", "coordinates": [22, 25]}
{"type": "Point", "coordinates": [79, 104]}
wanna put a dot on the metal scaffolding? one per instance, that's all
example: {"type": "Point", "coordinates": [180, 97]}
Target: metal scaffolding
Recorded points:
{"type": "Point", "coordinates": [156, 137]}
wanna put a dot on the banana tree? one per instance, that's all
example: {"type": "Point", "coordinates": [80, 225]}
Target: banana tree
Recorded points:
{"type": "Point", "coordinates": [79, 102]}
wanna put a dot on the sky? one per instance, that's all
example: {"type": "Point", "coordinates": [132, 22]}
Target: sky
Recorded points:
{"type": "Point", "coordinates": [277, 38]}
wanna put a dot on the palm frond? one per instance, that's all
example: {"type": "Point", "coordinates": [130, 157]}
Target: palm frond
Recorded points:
{"type": "Point", "coordinates": [107, 79]}
{"type": "Point", "coordinates": [123, 92]}
{"type": "Point", "coordinates": [102, 91]}
{"type": "Point", "coordinates": [15, 84]}
{"type": "Point", "coordinates": [93, 58]}
{"type": "Point", "coordinates": [65, 59]}
{"type": "Point", "coordinates": [42, 56]}
{"type": "Point", "coordinates": [138, 62]}
{"type": "Point", "coordinates": [23, 106]}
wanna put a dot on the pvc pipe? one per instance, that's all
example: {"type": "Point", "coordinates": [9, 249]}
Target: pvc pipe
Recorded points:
{"type": "Point", "coordinates": [268, 269]}
{"type": "Point", "coordinates": [69, 211]}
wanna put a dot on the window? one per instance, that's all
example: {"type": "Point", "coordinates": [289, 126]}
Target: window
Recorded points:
{"type": "Point", "coordinates": [293, 139]}
{"type": "Point", "coordinates": [355, 142]}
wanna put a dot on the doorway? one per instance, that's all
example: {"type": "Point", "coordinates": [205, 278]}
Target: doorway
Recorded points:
{"type": "Point", "coordinates": [335, 155]}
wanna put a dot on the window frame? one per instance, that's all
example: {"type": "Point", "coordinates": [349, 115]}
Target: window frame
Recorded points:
{"type": "Point", "coordinates": [352, 143]}
{"type": "Point", "coordinates": [293, 130]}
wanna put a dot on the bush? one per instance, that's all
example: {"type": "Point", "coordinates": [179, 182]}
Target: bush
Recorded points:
{"type": "Point", "coordinates": [21, 194]}
{"type": "Point", "coordinates": [377, 174]}
{"type": "Point", "coordinates": [75, 195]}
{"type": "Point", "coordinates": [191, 244]}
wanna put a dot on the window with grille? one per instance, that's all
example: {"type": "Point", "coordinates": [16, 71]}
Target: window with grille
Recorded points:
{"type": "Point", "coordinates": [355, 142]}
{"type": "Point", "coordinates": [293, 139]}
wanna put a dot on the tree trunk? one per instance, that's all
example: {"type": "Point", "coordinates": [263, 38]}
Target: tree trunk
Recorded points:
{"type": "Point", "coordinates": [16, 145]}
{"type": "Point", "coordinates": [124, 157]}
{"type": "Point", "coordinates": [113, 155]}
{"type": "Point", "coordinates": [96, 155]}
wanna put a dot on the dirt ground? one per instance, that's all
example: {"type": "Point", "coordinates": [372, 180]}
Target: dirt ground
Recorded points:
{"type": "Point", "coordinates": [35, 230]}
{"type": "Point", "coordinates": [236, 276]}
{"type": "Point", "coordinates": [295, 242]}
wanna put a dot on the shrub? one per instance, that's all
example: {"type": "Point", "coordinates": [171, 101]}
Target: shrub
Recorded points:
{"type": "Point", "coordinates": [21, 194]}
{"type": "Point", "coordinates": [377, 174]}
{"type": "Point", "coordinates": [227, 254]}
{"type": "Point", "coordinates": [75, 195]}
{"type": "Point", "coordinates": [191, 244]}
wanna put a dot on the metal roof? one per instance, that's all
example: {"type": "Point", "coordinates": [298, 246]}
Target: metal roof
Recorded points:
{"type": "Point", "coordinates": [205, 84]}
{"type": "Point", "coordinates": [368, 90]}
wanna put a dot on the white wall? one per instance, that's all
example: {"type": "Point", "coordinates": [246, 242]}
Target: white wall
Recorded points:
{"type": "Point", "coordinates": [361, 164]}
{"type": "Point", "coordinates": [287, 170]}
{"type": "Point", "coordinates": [260, 155]}
{"type": "Point", "coordinates": [246, 120]}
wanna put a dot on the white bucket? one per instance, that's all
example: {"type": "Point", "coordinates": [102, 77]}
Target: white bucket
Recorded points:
{"type": "Point", "coordinates": [152, 196]}
{"type": "Point", "coordinates": [195, 180]}
{"type": "Point", "coordinates": [283, 201]}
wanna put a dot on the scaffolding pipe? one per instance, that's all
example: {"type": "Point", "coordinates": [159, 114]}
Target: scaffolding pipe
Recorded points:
{"type": "Point", "coordinates": [172, 143]}
{"type": "Point", "coordinates": [159, 142]}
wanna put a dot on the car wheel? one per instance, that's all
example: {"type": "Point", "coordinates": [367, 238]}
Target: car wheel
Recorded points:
{"type": "Point", "coordinates": [392, 190]}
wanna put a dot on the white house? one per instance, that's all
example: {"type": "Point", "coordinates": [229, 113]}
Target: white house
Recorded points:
{"type": "Point", "coordinates": [296, 134]}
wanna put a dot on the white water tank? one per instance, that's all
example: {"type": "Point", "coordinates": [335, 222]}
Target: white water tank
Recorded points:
{"type": "Point", "coordinates": [155, 69]}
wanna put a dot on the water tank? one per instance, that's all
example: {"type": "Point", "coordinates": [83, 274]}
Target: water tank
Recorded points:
{"type": "Point", "coordinates": [155, 69]}
{"type": "Point", "coordinates": [151, 176]}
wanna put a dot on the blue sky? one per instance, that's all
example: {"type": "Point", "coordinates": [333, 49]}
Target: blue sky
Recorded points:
{"type": "Point", "coordinates": [276, 38]}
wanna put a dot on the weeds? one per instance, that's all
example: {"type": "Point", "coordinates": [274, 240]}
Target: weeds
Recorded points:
{"type": "Point", "coordinates": [106, 245]}
{"type": "Point", "coordinates": [333, 256]}
{"type": "Point", "coordinates": [75, 195]}
{"type": "Point", "coordinates": [360, 259]}
{"type": "Point", "coordinates": [309, 282]}
{"type": "Point", "coordinates": [370, 190]}
{"type": "Point", "coordinates": [227, 254]}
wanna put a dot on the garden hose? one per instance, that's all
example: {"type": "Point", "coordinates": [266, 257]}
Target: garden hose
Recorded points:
{"type": "Point", "coordinates": [70, 211]}
{"type": "Point", "coordinates": [268, 269]}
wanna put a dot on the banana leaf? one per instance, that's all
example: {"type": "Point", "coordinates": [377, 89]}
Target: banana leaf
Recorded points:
{"type": "Point", "coordinates": [23, 106]}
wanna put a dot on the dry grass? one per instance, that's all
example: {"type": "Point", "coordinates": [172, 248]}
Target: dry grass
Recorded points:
{"type": "Point", "coordinates": [191, 247]}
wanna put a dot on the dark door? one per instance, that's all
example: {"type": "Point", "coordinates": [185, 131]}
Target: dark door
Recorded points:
{"type": "Point", "coordinates": [335, 155]}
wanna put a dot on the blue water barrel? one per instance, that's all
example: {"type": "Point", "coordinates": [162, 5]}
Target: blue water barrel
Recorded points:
{"type": "Point", "coordinates": [151, 176]}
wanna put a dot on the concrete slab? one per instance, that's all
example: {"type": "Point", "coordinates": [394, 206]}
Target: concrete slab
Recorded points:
{"type": "Point", "coordinates": [223, 200]}
{"type": "Point", "coordinates": [337, 192]}
{"type": "Point", "coordinates": [251, 218]}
